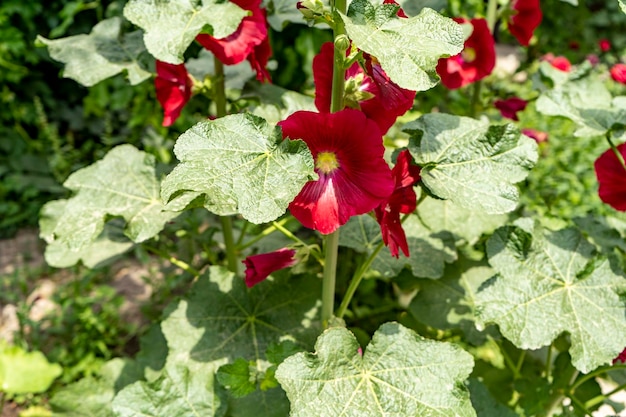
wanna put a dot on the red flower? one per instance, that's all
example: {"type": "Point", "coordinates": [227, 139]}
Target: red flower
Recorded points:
{"type": "Point", "coordinates": [474, 63]}
{"type": "Point", "coordinates": [618, 73]}
{"type": "Point", "coordinates": [525, 20]}
{"type": "Point", "coordinates": [612, 178]}
{"type": "Point", "coordinates": [370, 91]}
{"type": "Point", "coordinates": [509, 107]}
{"type": "Point", "coordinates": [173, 89]}
{"type": "Point", "coordinates": [559, 62]}
{"type": "Point", "coordinates": [538, 135]}
{"type": "Point", "coordinates": [620, 358]}
{"type": "Point", "coordinates": [259, 267]}
{"type": "Point", "coordinates": [249, 41]}
{"type": "Point", "coordinates": [353, 176]}
{"type": "Point", "coordinates": [403, 200]}
{"type": "Point", "coordinates": [605, 45]}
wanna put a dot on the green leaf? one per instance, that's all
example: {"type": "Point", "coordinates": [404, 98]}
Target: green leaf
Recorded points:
{"type": "Point", "coordinates": [238, 377]}
{"type": "Point", "coordinates": [400, 373]}
{"type": "Point", "coordinates": [24, 372]}
{"type": "Point", "coordinates": [414, 7]}
{"type": "Point", "coordinates": [171, 25]}
{"type": "Point", "coordinates": [484, 403]}
{"type": "Point", "coordinates": [235, 76]}
{"type": "Point", "coordinates": [103, 53]}
{"type": "Point", "coordinates": [122, 184]}
{"type": "Point", "coordinates": [469, 162]}
{"type": "Point", "coordinates": [586, 102]}
{"type": "Point", "coordinates": [551, 282]}
{"type": "Point", "coordinates": [465, 224]}
{"type": "Point", "coordinates": [242, 165]}
{"type": "Point", "coordinates": [283, 12]}
{"type": "Point", "coordinates": [622, 5]}
{"type": "Point", "coordinates": [407, 49]}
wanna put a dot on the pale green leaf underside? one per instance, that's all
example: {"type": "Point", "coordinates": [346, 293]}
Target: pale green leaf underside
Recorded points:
{"type": "Point", "coordinates": [23, 372]}
{"type": "Point", "coordinates": [469, 162]}
{"type": "Point", "coordinates": [407, 49]}
{"type": "Point", "coordinates": [171, 25]}
{"type": "Point", "coordinates": [399, 374]}
{"type": "Point", "coordinates": [103, 53]}
{"type": "Point", "coordinates": [122, 184]}
{"type": "Point", "coordinates": [550, 283]}
{"type": "Point", "coordinates": [622, 5]}
{"type": "Point", "coordinates": [242, 165]}
{"type": "Point", "coordinates": [586, 102]}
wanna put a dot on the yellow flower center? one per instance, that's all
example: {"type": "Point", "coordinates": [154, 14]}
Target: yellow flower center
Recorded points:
{"type": "Point", "coordinates": [326, 162]}
{"type": "Point", "coordinates": [468, 54]}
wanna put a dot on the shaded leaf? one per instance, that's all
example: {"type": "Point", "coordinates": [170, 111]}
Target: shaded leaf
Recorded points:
{"type": "Point", "coordinates": [171, 25]}
{"type": "Point", "coordinates": [470, 162]}
{"type": "Point", "coordinates": [400, 373]}
{"type": "Point", "coordinates": [103, 53]}
{"type": "Point", "coordinates": [407, 49]}
{"type": "Point", "coordinates": [282, 12]}
{"type": "Point", "coordinates": [237, 378]}
{"type": "Point", "coordinates": [242, 165]}
{"type": "Point", "coordinates": [552, 282]}
{"type": "Point", "coordinates": [484, 403]}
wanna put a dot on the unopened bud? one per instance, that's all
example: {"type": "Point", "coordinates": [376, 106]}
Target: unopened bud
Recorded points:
{"type": "Point", "coordinates": [342, 43]}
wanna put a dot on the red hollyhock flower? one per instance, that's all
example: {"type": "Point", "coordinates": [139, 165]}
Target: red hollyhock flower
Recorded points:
{"type": "Point", "coordinates": [509, 107]}
{"type": "Point", "coordinates": [618, 73]}
{"type": "Point", "coordinates": [612, 178]}
{"type": "Point", "coordinates": [173, 89]}
{"type": "Point", "coordinates": [370, 91]}
{"type": "Point", "coordinates": [249, 41]}
{"type": "Point", "coordinates": [259, 267]}
{"type": "Point", "coordinates": [474, 63]}
{"type": "Point", "coordinates": [621, 357]}
{"type": "Point", "coordinates": [353, 176]}
{"type": "Point", "coordinates": [559, 62]}
{"type": "Point", "coordinates": [525, 20]}
{"type": "Point", "coordinates": [605, 45]}
{"type": "Point", "coordinates": [403, 200]}
{"type": "Point", "coordinates": [538, 135]}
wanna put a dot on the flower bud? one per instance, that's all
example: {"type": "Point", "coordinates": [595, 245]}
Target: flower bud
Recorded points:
{"type": "Point", "coordinates": [342, 43]}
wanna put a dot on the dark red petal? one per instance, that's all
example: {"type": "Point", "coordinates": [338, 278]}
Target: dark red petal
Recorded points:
{"type": "Point", "coordinates": [391, 230]}
{"type": "Point", "coordinates": [173, 89]}
{"type": "Point", "coordinates": [621, 357]}
{"type": "Point", "coordinates": [525, 20]}
{"type": "Point", "coordinates": [612, 178]}
{"type": "Point", "coordinates": [509, 107]}
{"type": "Point", "coordinates": [259, 267]}
{"type": "Point", "coordinates": [258, 60]}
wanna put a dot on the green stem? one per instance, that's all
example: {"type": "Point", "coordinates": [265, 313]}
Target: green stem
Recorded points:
{"type": "Point", "coordinates": [619, 156]}
{"type": "Point", "coordinates": [175, 261]}
{"type": "Point", "coordinates": [244, 229]}
{"type": "Point", "coordinates": [339, 69]}
{"type": "Point", "coordinates": [594, 374]}
{"type": "Point", "coordinates": [267, 231]}
{"type": "Point", "coordinates": [295, 238]}
{"type": "Point", "coordinates": [548, 371]}
{"type": "Point", "coordinates": [356, 280]}
{"type": "Point", "coordinates": [600, 398]}
{"type": "Point", "coordinates": [492, 14]}
{"type": "Point", "coordinates": [227, 223]}
{"type": "Point", "coordinates": [2, 400]}
{"type": "Point", "coordinates": [558, 395]}
{"type": "Point", "coordinates": [331, 247]}
{"type": "Point", "coordinates": [478, 85]}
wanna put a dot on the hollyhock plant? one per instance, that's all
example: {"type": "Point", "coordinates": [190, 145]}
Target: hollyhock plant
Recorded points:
{"type": "Point", "coordinates": [259, 267]}
{"type": "Point", "coordinates": [173, 89]}
{"type": "Point", "coordinates": [353, 176]}
{"type": "Point", "coordinates": [618, 73]}
{"type": "Point", "coordinates": [475, 62]}
{"type": "Point", "coordinates": [403, 200]}
{"type": "Point", "coordinates": [525, 19]}
{"type": "Point", "coordinates": [250, 41]}
{"type": "Point", "coordinates": [369, 90]}
{"type": "Point", "coordinates": [612, 178]}
{"type": "Point", "coordinates": [509, 107]}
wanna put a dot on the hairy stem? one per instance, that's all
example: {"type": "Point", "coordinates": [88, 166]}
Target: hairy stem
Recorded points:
{"type": "Point", "coordinates": [331, 247]}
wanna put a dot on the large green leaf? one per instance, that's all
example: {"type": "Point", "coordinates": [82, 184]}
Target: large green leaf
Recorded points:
{"type": "Point", "coordinates": [24, 372]}
{"type": "Point", "coordinates": [283, 12]}
{"type": "Point", "coordinates": [469, 162]}
{"type": "Point", "coordinates": [122, 184]}
{"type": "Point", "coordinates": [622, 5]}
{"type": "Point", "coordinates": [586, 102]}
{"type": "Point", "coordinates": [103, 53]}
{"type": "Point", "coordinates": [552, 282]}
{"type": "Point", "coordinates": [407, 49]}
{"type": "Point", "coordinates": [428, 251]}
{"type": "Point", "coordinates": [171, 25]}
{"type": "Point", "coordinates": [400, 373]}
{"type": "Point", "coordinates": [242, 165]}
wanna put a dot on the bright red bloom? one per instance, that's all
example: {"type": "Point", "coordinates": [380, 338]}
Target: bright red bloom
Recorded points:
{"type": "Point", "coordinates": [353, 176]}
{"type": "Point", "coordinates": [474, 63]}
{"type": "Point", "coordinates": [403, 200]}
{"type": "Point", "coordinates": [612, 178]}
{"type": "Point", "coordinates": [621, 357]}
{"type": "Point", "coordinates": [259, 267]}
{"type": "Point", "coordinates": [538, 135]}
{"type": "Point", "coordinates": [173, 89]}
{"type": "Point", "coordinates": [509, 107]}
{"type": "Point", "coordinates": [525, 20]}
{"type": "Point", "coordinates": [559, 62]}
{"type": "Point", "coordinates": [618, 73]}
{"type": "Point", "coordinates": [370, 91]}
{"type": "Point", "coordinates": [605, 45]}
{"type": "Point", "coordinates": [249, 41]}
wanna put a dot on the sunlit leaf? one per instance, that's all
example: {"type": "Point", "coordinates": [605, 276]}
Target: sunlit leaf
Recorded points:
{"type": "Point", "coordinates": [23, 372]}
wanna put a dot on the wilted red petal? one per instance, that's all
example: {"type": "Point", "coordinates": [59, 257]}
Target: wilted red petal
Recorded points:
{"type": "Point", "coordinates": [509, 107]}
{"type": "Point", "coordinates": [612, 178]}
{"type": "Point", "coordinates": [359, 182]}
{"type": "Point", "coordinates": [173, 89]}
{"type": "Point", "coordinates": [525, 20]}
{"type": "Point", "coordinates": [475, 62]}
{"type": "Point", "coordinates": [618, 73]}
{"type": "Point", "coordinates": [259, 267]}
